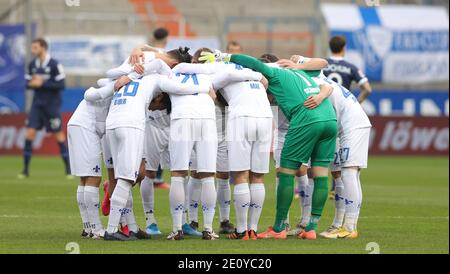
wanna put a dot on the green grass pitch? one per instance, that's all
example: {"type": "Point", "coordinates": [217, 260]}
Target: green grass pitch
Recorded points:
{"type": "Point", "coordinates": [405, 210]}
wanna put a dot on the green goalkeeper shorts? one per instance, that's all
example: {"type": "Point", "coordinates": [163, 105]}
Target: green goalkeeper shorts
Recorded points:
{"type": "Point", "coordinates": [316, 141]}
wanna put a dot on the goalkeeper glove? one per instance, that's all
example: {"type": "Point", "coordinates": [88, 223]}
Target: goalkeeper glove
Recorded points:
{"type": "Point", "coordinates": [217, 56]}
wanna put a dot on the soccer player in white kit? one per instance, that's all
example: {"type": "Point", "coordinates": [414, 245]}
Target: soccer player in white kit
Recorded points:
{"type": "Point", "coordinates": [135, 63]}
{"type": "Point", "coordinates": [157, 132]}
{"type": "Point", "coordinates": [249, 131]}
{"type": "Point", "coordinates": [194, 186]}
{"type": "Point", "coordinates": [192, 127]}
{"type": "Point", "coordinates": [86, 129]}
{"type": "Point", "coordinates": [125, 127]}
{"type": "Point", "coordinates": [350, 157]}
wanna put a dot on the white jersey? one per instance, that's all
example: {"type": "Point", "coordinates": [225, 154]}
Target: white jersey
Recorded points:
{"type": "Point", "coordinates": [128, 105]}
{"type": "Point", "coordinates": [349, 113]}
{"type": "Point", "coordinates": [241, 88]}
{"type": "Point", "coordinates": [245, 98]}
{"type": "Point", "coordinates": [197, 105]}
{"type": "Point", "coordinates": [91, 115]}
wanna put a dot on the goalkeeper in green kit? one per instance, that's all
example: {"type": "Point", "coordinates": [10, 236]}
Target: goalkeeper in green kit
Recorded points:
{"type": "Point", "coordinates": [311, 135]}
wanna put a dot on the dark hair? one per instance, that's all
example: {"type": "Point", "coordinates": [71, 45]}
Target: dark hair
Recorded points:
{"type": "Point", "coordinates": [272, 58]}
{"type": "Point", "coordinates": [167, 103]}
{"type": "Point", "coordinates": [337, 44]}
{"type": "Point", "coordinates": [196, 55]}
{"type": "Point", "coordinates": [220, 99]}
{"type": "Point", "coordinates": [181, 55]}
{"type": "Point", "coordinates": [233, 43]}
{"type": "Point", "coordinates": [41, 42]}
{"type": "Point", "coordinates": [264, 60]}
{"type": "Point", "coordinates": [160, 33]}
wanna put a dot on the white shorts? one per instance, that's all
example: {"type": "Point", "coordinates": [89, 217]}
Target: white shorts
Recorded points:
{"type": "Point", "coordinates": [107, 156]}
{"type": "Point", "coordinates": [156, 147]}
{"type": "Point", "coordinates": [85, 152]}
{"type": "Point", "coordinates": [127, 150]}
{"type": "Point", "coordinates": [249, 142]}
{"type": "Point", "coordinates": [352, 149]}
{"type": "Point", "coordinates": [188, 135]}
{"type": "Point", "coordinates": [222, 164]}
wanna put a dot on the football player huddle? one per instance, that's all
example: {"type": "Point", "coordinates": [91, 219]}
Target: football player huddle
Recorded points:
{"type": "Point", "coordinates": [208, 118]}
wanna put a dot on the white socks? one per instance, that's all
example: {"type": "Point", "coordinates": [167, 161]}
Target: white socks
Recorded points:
{"type": "Point", "coordinates": [257, 196]}
{"type": "Point", "coordinates": [186, 200]}
{"type": "Point", "coordinates": [208, 198]}
{"type": "Point", "coordinates": [119, 201]}
{"type": "Point", "coordinates": [129, 214]}
{"type": "Point", "coordinates": [83, 209]}
{"type": "Point", "coordinates": [360, 198]}
{"type": "Point", "coordinates": [224, 199]}
{"type": "Point", "coordinates": [306, 189]}
{"type": "Point", "coordinates": [148, 200]}
{"type": "Point", "coordinates": [195, 190]}
{"type": "Point", "coordinates": [339, 202]}
{"type": "Point", "coordinates": [241, 204]}
{"type": "Point", "coordinates": [352, 197]}
{"type": "Point", "coordinates": [91, 199]}
{"type": "Point", "coordinates": [177, 197]}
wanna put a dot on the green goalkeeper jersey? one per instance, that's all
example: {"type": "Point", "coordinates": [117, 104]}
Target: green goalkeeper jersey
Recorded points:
{"type": "Point", "coordinates": [291, 88]}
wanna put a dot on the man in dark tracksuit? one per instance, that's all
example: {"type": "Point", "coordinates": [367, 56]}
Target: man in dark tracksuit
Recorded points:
{"type": "Point", "coordinates": [46, 77]}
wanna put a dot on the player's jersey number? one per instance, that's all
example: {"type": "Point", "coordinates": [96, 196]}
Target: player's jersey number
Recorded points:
{"type": "Point", "coordinates": [341, 156]}
{"type": "Point", "coordinates": [130, 90]}
{"type": "Point", "coordinates": [187, 77]}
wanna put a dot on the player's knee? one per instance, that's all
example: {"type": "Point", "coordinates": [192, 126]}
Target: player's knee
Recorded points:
{"type": "Point", "coordinates": [195, 175]}
{"type": "Point", "coordinates": [240, 177]}
{"type": "Point", "coordinates": [336, 174]}
{"type": "Point", "coordinates": [60, 136]}
{"type": "Point", "coordinates": [303, 170]}
{"type": "Point", "coordinates": [30, 134]}
{"type": "Point", "coordinates": [203, 175]}
{"type": "Point", "coordinates": [179, 173]}
{"type": "Point", "coordinates": [288, 171]}
{"type": "Point", "coordinates": [93, 181]}
{"type": "Point", "coordinates": [223, 175]}
{"type": "Point", "coordinates": [150, 174]}
{"type": "Point", "coordinates": [256, 178]}
{"type": "Point", "coordinates": [320, 171]}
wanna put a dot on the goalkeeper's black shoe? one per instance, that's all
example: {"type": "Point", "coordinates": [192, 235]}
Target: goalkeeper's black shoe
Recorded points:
{"type": "Point", "coordinates": [140, 235]}
{"type": "Point", "coordinates": [117, 236]}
